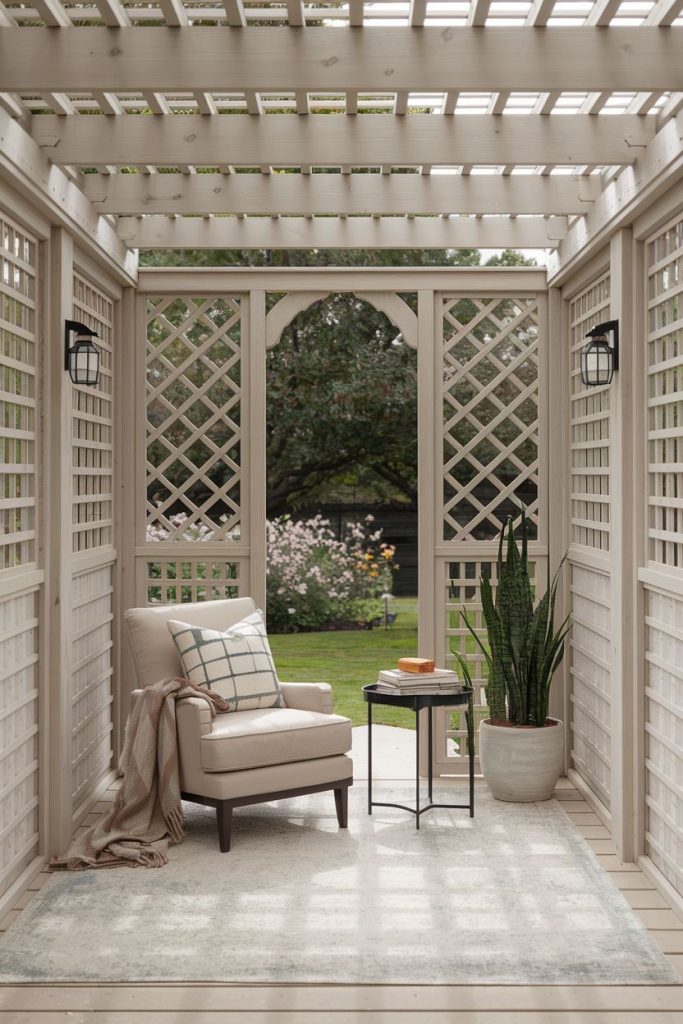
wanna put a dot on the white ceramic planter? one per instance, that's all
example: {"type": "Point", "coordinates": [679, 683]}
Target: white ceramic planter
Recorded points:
{"type": "Point", "coordinates": [521, 765]}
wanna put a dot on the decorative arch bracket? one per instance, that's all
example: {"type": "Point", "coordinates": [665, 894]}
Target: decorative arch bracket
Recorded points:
{"type": "Point", "coordinates": [389, 303]}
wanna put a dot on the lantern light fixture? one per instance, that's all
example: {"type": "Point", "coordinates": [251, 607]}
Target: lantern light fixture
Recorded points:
{"type": "Point", "coordinates": [600, 356]}
{"type": "Point", "coordinates": [82, 359]}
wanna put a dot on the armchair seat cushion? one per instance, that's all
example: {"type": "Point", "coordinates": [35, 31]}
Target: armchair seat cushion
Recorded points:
{"type": "Point", "coordinates": [270, 736]}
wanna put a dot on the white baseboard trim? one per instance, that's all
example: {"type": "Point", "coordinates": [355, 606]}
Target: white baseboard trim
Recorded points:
{"type": "Point", "coordinates": [673, 897]}
{"type": "Point", "coordinates": [589, 796]}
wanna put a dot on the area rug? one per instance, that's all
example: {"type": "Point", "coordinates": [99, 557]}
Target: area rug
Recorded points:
{"type": "Point", "coordinates": [514, 896]}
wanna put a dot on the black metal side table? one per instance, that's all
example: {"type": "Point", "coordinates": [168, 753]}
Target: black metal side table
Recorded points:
{"type": "Point", "coordinates": [420, 702]}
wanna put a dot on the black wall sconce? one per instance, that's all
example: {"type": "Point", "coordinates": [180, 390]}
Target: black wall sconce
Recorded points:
{"type": "Point", "coordinates": [600, 357]}
{"type": "Point", "coordinates": [82, 359]}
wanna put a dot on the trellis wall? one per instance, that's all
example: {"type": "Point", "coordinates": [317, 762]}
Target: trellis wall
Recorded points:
{"type": "Point", "coordinates": [21, 575]}
{"type": "Point", "coordinates": [94, 555]}
{"type": "Point", "coordinates": [491, 430]}
{"type": "Point", "coordinates": [662, 574]}
{"type": "Point", "coordinates": [590, 668]}
{"type": "Point", "coordinates": [192, 529]}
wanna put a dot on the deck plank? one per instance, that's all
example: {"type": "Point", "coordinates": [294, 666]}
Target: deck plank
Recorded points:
{"type": "Point", "coordinates": [338, 998]}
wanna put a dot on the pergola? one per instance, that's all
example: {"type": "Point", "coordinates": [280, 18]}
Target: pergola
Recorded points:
{"type": "Point", "coordinates": [553, 125]}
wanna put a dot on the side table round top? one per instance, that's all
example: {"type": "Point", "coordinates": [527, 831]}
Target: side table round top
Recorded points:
{"type": "Point", "coordinates": [416, 701]}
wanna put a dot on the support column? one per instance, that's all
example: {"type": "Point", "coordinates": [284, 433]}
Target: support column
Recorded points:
{"type": "Point", "coordinates": [623, 568]}
{"type": "Point", "coordinates": [255, 421]}
{"type": "Point", "coordinates": [58, 539]}
{"type": "Point", "coordinates": [556, 383]}
{"type": "Point", "coordinates": [430, 631]}
{"type": "Point", "coordinates": [125, 430]}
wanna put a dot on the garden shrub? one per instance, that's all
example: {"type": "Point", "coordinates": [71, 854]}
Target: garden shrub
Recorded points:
{"type": "Point", "coordinates": [316, 581]}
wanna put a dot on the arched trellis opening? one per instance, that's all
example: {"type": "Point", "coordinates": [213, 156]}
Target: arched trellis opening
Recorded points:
{"type": "Point", "coordinates": [480, 341]}
{"type": "Point", "coordinates": [341, 444]}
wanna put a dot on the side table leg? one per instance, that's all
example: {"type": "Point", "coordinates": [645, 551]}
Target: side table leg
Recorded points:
{"type": "Point", "coordinates": [430, 712]}
{"type": "Point", "coordinates": [369, 757]}
{"type": "Point", "coordinates": [417, 768]}
{"type": "Point", "coordinates": [470, 743]}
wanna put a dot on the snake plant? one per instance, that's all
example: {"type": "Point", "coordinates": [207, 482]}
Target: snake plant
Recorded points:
{"type": "Point", "coordinates": [524, 648]}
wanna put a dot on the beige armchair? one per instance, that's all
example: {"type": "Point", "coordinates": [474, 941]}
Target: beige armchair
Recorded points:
{"type": "Point", "coordinates": [244, 757]}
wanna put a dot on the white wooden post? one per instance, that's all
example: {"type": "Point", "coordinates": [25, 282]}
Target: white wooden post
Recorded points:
{"type": "Point", "coordinates": [557, 481]}
{"type": "Point", "coordinates": [623, 568]}
{"type": "Point", "coordinates": [254, 391]}
{"type": "Point", "coordinates": [58, 538]}
{"type": "Point", "coordinates": [639, 503]}
{"type": "Point", "coordinates": [126, 424]}
{"type": "Point", "coordinates": [429, 635]}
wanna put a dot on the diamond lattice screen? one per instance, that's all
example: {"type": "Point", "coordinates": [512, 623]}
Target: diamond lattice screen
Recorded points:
{"type": "Point", "coordinates": [490, 414]}
{"type": "Point", "coordinates": [665, 396]}
{"type": "Point", "coordinates": [194, 383]}
{"type": "Point", "coordinates": [590, 428]}
{"type": "Point", "coordinates": [92, 428]}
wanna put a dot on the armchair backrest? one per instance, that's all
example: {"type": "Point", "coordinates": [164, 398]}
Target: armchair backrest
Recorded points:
{"type": "Point", "coordinates": [155, 654]}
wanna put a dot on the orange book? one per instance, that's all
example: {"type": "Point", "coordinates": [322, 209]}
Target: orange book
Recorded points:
{"type": "Point", "coordinates": [415, 665]}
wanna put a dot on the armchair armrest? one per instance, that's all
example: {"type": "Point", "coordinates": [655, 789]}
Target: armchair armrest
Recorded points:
{"type": "Point", "coordinates": [308, 696]}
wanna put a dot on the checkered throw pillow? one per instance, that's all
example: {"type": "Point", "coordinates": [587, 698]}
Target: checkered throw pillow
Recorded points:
{"type": "Point", "coordinates": [237, 663]}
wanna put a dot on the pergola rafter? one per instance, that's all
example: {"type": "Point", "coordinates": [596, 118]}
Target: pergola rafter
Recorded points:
{"type": "Point", "coordinates": [298, 194]}
{"type": "Point", "coordinates": [415, 59]}
{"type": "Point", "coordinates": [371, 140]}
{"type": "Point", "coordinates": [477, 123]}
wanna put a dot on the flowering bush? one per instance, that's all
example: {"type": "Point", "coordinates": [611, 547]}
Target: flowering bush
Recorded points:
{"type": "Point", "coordinates": [315, 580]}
{"type": "Point", "coordinates": [193, 531]}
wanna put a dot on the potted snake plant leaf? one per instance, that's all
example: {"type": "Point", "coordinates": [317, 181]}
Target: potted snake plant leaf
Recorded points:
{"type": "Point", "coordinates": [521, 747]}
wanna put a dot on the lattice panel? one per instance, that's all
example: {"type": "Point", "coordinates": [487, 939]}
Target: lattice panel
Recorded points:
{"type": "Point", "coordinates": [665, 396]}
{"type": "Point", "coordinates": [18, 389]}
{"type": "Point", "coordinates": [664, 734]}
{"type": "Point", "coordinates": [193, 419]}
{"type": "Point", "coordinates": [18, 734]}
{"type": "Point", "coordinates": [91, 679]}
{"type": "Point", "coordinates": [463, 594]}
{"type": "Point", "coordinates": [591, 680]}
{"type": "Point", "coordinates": [590, 428]}
{"type": "Point", "coordinates": [176, 581]}
{"type": "Point", "coordinates": [490, 414]}
{"type": "Point", "coordinates": [92, 430]}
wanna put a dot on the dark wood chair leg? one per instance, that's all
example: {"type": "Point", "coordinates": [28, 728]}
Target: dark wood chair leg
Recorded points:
{"type": "Point", "coordinates": [224, 818]}
{"type": "Point", "coordinates": [341, 799]}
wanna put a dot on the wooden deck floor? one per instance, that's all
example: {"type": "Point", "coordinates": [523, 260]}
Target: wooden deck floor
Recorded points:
{"type": "Point", "coordinates": [378, 1004]}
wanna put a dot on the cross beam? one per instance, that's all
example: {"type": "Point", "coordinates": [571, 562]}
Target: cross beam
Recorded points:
{"type": "Point", "coordinates": [302, 194]}
{"type": "Point", "coordinates": [326, 141]}
{"type": "Point", "coordinates": [387, 59]}
{"type": "Point", "coordinates": [332, 233]}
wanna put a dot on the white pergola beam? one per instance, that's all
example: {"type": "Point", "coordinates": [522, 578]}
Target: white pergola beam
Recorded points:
{"type": "Point", "coordinates": [296, 194]}
{"type": "Point", "coordinates": [53, 194]}
{"type": "Point", "coordinates": [235, 13]}
{"type": "Point", "coordinates": [656, 170]}
{"type": "Point", "coordinates": [323, 141]}
{"type": "Point", "coordinates": [334, 233]}
{"type": "Point", "coordinates": [422, 59]}
{"type": "Point", "coordinates": [113, 13]}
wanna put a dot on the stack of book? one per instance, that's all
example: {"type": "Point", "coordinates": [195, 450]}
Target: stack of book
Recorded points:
{"type": "Point", "coordinates": [439, 680]}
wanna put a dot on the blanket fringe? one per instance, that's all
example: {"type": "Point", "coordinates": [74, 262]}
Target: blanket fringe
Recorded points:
{"type": "Point", "coordinates": [175, 822]}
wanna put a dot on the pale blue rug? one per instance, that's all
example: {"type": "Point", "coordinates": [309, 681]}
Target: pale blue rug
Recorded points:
{"type": "Point", "coordinates": [513, 897]}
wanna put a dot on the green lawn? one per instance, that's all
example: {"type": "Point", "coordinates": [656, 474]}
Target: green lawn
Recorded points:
{"type": "Point", "coordinates": [350, 660]}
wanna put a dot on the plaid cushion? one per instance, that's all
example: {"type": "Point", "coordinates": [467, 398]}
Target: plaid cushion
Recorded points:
{"type": "Point", "coordinates": [237, 664]}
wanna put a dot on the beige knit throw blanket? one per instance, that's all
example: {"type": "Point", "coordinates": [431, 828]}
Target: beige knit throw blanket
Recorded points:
{"type": "Point", "coordinates": [147, 812]}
